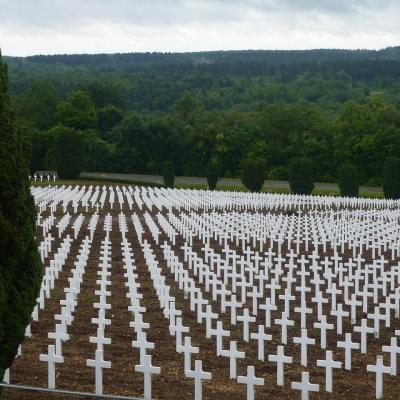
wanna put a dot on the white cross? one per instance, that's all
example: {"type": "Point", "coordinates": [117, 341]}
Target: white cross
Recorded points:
{"type": "Point", "coordinates": [220, 333]}
{"type": "Point", "coordinates": [6, 377]}
{"type": "Point", "coordinates": [187, 349]}
{"type": "Point", "coordinates": [59, 336]}
{"type": "Point", "coordinates": [142, 343]}
{"type": "Point", "coordinates": [280, 360]}
{"type": "Point", "coordinates": [250, 380]}
{"type": "Point", "coordinates": [379, 370]}
{"type": "Point", "coordinates": [246, 319]}
{"type": "Point", "coordinates": [52, 359]}
{"type": "Point", "coordinates": [261, 337]}
{"type": "Point", "coordinates": [323, 326]}
{"type": "Point", "coordinates": [147, 370]}
{"type": "Point", "coordinates": [339, 313]}
{"type": "Point", "coordinates": [233, 354]}
{"type": "Point", "coordinates": [348, 345]}
{"type": "Point", "coordinates": [393, 349]}
{"type": "Point", "coordinates": [363, 330]}
{"type": "Point", "coordinates": [328, 364]}
{"type": "Point", "coordinates": [98, 363]}
{"type": "Point", "coordinates": [305, 386]}
{"type": "Point", "coordinates": [177, 330]}
{"type": "Point", "coordinates": [138, 324]}
{"type": "Point", "coordinates": [303, 341]}
{"type": "Point", "coordinates": [100, 339]}
{"type": "Point", "coordinates": [284, 322]}
{"type": "Point", "coordinates": [198, 374]}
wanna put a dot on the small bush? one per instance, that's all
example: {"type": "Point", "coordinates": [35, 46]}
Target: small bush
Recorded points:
{"type": "Point", "coordinates": [168, 174]}
{"type": "Point", "coordinates": [391, 178]}
{"type": "Point", "coordinates": [278, 174]}
{"type": "Point", "coordinates": [213, 172]}
{"type": "Point", "coordinates": [301, 176]}
{"type": "Point", "coordinates": [253, 174]}
{"type": "Point", "coordinates": [348, 180]}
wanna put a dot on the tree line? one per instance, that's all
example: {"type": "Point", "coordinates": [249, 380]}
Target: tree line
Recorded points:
{"type": "Point", "coordinates": [333, 108]}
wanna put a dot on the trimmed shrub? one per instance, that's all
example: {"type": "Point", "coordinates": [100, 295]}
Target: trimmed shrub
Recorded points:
{"type": "Point", "coordinates": [301, 176]}
{"type": "Point", "coordinates": [20, 266]}
{"type": "Point", "coordinates": [253, 173]}
{"type": "Point", "coordinates": [391, 178]}
{"type": "Point", "coordinates": [168, 174]}
{"type": "Point", "coordinates": [348, 180]}
{"type": "Point", "coordinates": [68, 152]}
{"type": "Point", "coordinates": [213, 172]}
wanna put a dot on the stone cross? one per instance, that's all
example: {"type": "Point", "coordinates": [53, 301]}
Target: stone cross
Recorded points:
{"type": "Point", "coordinates": [303, 340]}
{"type": "Point", "coordinates": [328, 364]}
{"type": "Point", "coordinates": [187, 349]}
{"type": "Point", "coordinates": [393, 349]}
{"type": "Point", "coordinates": [100, 339]}
{"type": "Point", "coordinates": [305, 386]}
{"type": "Point", "coordinates": [52, 359]}
{"type": "Point", "coordinates": [246, 319]}
{"type": "Point", "coordinates": [98, 363]}
{"type": "Point", "coordinates": [233, 354]}
{"type": "Point", "coordinates": [363, 330]}
{"type": "Point", "coordinates": [348, 345]}
{"type": "Point", "coordinates": [261, 337]}
{"type": "Point", "coordinates": [59, 336]}
{"type": "Point", "coordinates": [280, 360]}
{"type": "Point", "coordinates": [198, 374]}
{"type": "Point", "coordinates": [147, 370]}
{"type": "Point", "coordinates": [379, 370]}
{"type": "Point", "coordinates": [250, 380]}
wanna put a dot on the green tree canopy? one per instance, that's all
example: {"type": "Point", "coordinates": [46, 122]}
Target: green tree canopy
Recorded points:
{"type": "Point", "coordinates": [78, 111]}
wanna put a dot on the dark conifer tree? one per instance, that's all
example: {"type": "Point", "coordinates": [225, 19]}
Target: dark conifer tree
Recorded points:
{"type": "Point", "coordinates": [301, 179]}
{"type": "Point", "coordinates": [391, 178]}
{"type": "Point", "coordinates": [68, 152]}
{"type": "Point", "coordinates": [20, 266]}
{"type": "Point", "coordinates": [168, 174]}
{"type": "Point", "coordinates": [253, 173]}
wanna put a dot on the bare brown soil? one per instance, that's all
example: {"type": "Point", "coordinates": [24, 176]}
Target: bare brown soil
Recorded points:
{"type": "Point", "coordinates": [122, 379]}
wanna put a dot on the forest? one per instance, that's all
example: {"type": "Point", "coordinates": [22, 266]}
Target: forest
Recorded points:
{"type": "Point", "coordinates": [134, 111]}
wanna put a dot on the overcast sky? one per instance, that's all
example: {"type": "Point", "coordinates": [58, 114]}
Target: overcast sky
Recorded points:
{"type": "Point", "coordinates": [106, 26]}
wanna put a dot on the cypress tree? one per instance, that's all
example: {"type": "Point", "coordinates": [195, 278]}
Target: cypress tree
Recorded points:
{"type": "Point", "coordinates": [213, 171]}
{"type": "Point", "coordinates": [253, 173]}
{"type": "Point", "coordinates": [168, 174]}
{"type": "Point", "coordinates": [348, 180]}
{"type": "Point", "coordinates": [68, 152]}
{"type": "Point", "coordinates": [20, 266]}
{"type": "Point", "coordinates": [391, 178]}
{"type": "Point", "coordinates": [301, 176]}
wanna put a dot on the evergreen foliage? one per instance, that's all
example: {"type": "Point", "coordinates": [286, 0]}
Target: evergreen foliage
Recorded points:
{"type": "Point", "coordinates": [168, 174]}
{"type": "Point", "coordinates": [348, 180]}
{"type": "Point", "coordinates": [20, 266]}
{"type": "Point", "coordinates": [68, 152]}
{"type": "Point", "coordinates": [213, 172]}
{"type": "Point", "coordinates": [391, 178]}
{"type": "Point", "coordinates": [301, 179]}
{"type": "Point", "coordinates": [253, 173]}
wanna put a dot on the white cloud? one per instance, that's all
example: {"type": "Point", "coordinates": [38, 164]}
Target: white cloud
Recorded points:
{"type": "Point", "coordinates": [92, 26]}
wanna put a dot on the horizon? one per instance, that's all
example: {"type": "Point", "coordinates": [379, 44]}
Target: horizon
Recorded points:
{"type": "Point", "coordinates": [202, 51]}
{"type": "Point", "coordinates": [179, 26]}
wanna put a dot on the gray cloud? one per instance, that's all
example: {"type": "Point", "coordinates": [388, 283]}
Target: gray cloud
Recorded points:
{"type": "Point", "coordinates": [31, 26]}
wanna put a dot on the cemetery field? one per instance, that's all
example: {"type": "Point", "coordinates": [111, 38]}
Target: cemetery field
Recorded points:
{"type": "Point", "coordinates": [180, 294]}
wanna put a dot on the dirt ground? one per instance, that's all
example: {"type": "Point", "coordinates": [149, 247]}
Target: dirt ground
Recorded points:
{"type": "Point", "coordinates": [122, 379]}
